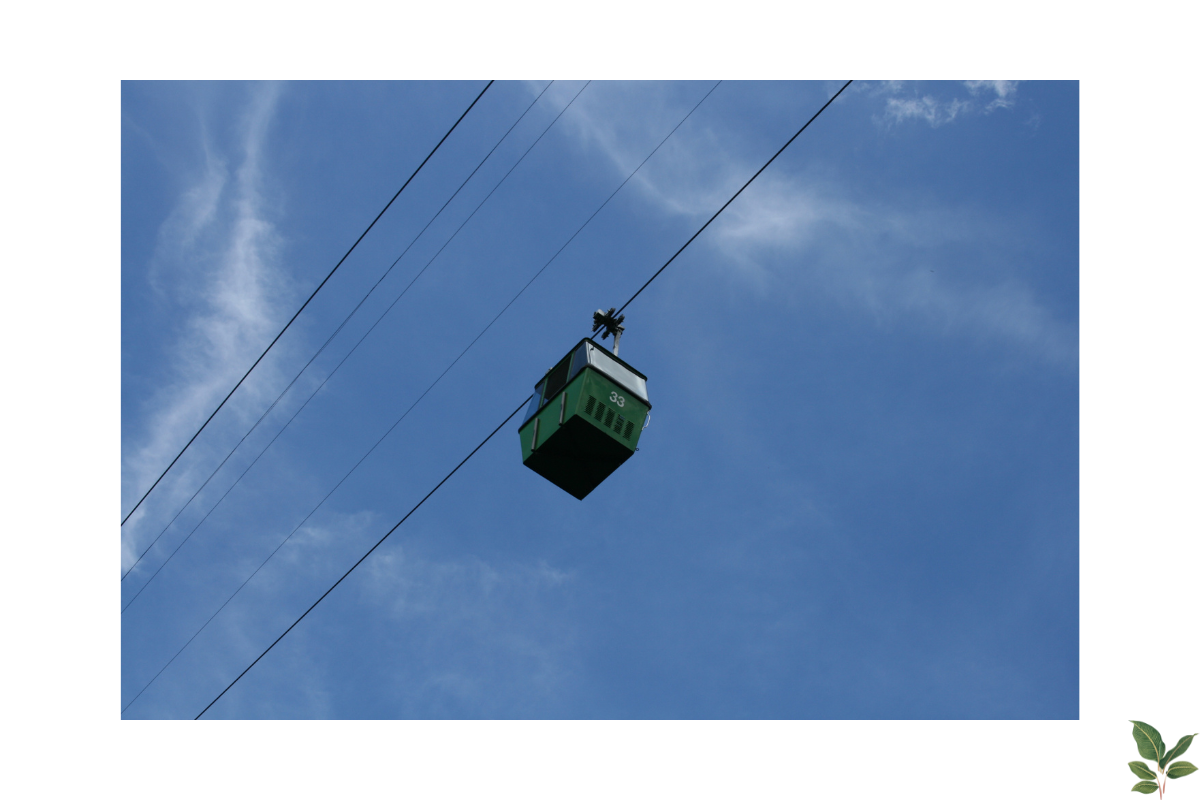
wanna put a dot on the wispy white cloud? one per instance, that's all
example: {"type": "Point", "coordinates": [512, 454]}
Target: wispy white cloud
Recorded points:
{"type": "Point", "coordinates": [417, 587]}
{"type": "Point", "coordinates": [626, 122]}
{"type": "Point", "coordinates": [216, 265]}
{"type": "Point", "coordinates": [984, 98]}
{"type": "Point", "coordinates": [894, 262]}
{"type": "Point", "coordinates": [1005, 92]}
{"type": "Point", "coordinates": [932, 111]}
{"type": "Point", "coordinates": [321, 537]}
{"type": "Point", "coordinates": [950, 269]}
{"type": "Point", "coordinates": [481, 635]}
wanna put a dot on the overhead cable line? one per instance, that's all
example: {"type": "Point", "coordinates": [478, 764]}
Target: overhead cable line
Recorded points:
{"type": "Point", "coordinates": [333, 335]}
{"type": "Point", "coordinates": [306, 302]}
{"type": "Point", "coordinates": [735, 194]}
{"type": "Point", "coordinates": [372, 550]}
{"type": "Point", "coordinates": [343, 361]}
{"type": "Point", "coordinates": [523, 402]}
{"type": "Point", "coordinates": [427, 390]}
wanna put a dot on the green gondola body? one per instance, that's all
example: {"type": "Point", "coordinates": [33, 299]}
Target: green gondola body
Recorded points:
{"type": "Point", "coordinates": [585, 419]}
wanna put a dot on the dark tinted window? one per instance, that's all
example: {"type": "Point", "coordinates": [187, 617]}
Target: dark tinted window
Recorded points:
{"type": "Point", "coordinates": [578, 360]}
{"type": "Point", "coordinates": [557, 378]}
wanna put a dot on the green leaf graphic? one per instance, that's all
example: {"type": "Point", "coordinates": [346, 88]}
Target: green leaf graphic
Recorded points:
{"type": "Point", "coordinates": [1141, 770]}
{"type": "Point", "coordinates": [1180, 768]}
{"type": "Point", "coordinates": [1179, 749]}
{"type": "Point", "coordinates": [1149, 741]}
{"type": "Point", "coordinates": [1145, 787]}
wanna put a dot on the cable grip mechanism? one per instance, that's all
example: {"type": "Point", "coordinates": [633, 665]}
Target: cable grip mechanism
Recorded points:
{"type": "Point", "coordinates": [606, 320]}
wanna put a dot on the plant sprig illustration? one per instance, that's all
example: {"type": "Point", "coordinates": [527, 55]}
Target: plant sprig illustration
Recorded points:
{"type": "Point", "coordinates": [1150, 745]}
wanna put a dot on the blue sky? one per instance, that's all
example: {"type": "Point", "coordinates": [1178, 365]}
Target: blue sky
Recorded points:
{"type": "Point", "coordinates": [858, 495]}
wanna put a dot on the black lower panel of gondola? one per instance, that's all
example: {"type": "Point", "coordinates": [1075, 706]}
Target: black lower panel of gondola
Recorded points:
{"type": "Point", "coordinates": [578, 457]}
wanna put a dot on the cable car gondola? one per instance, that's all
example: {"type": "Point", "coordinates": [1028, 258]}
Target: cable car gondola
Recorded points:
{"type": "Point", "coordinates": [586, 415]}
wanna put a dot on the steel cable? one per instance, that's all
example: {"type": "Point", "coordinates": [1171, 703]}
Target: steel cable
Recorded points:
{"type": "Point", "coordinates": [364, 556]}
{"type": "Point", "coordinates": [332, 336]}
{"type": "Point", "coordinates": [519, 407]}
{"type": "Point", "coordinates": [343, 361]}
{"type": "Point", "coordinates": [431, 386]}
{"type": "Point", "coordinates": [735, 195]}
{"type": "Point", "coordinates": [305, 305]}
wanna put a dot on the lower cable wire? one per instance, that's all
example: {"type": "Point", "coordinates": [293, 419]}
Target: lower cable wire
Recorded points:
{"type": "Point", "coordinates": [364, 557]}
{"type": "Point", "coordinates": [427, 390]}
